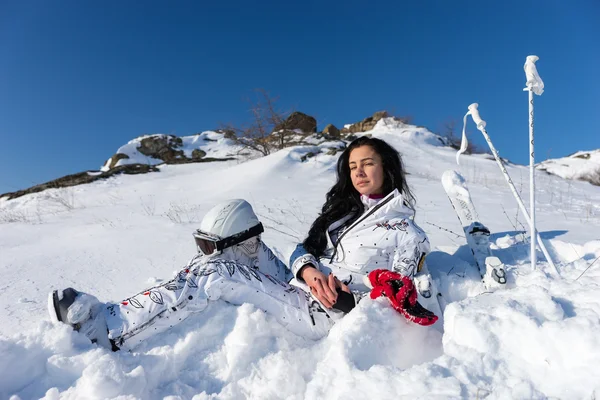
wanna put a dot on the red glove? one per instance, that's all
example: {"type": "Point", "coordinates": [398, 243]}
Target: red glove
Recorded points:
{"type": "Point", "coordinates": [402, 294]}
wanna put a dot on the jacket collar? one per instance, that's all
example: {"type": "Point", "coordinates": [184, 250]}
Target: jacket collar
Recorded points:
{"type": "Point", "coordinates": [398, 205]}
{"type": "Point", "coordinates": [392, 203]}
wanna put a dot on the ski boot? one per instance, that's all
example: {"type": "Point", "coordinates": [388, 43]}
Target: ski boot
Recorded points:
{"type": "Point", "coordinates": [423, 284]}
{"type": "Point", "coordinates": [494, 271]}
{"type": "Point", "coordinates": [81, 311]}
{"type": "Point", "coordinates": [481, 237]}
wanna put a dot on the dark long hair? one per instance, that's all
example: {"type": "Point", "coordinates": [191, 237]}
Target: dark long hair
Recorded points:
{"type": "Point", "coordinates": [343, 199]}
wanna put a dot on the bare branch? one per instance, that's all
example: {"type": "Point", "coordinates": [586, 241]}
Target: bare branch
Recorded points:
{"type": "Point", "coordinates": [259, 135]}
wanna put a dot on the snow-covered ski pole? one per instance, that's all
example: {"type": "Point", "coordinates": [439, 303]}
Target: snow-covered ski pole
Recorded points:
{"type": "Point", "coordinates": [534, 85]}
{"type": "Point", "coordinates": [481, 126]}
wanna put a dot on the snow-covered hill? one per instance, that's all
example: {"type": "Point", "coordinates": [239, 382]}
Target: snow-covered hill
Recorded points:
{"type": "Point", "coordinates": [206, 144]}
{"type": "Point", "coordinates": [583, 165]}
{"type": "Point", "coordinates": [112, 238]}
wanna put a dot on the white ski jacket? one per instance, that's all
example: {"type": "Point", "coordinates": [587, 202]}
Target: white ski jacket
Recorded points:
{"type": "Point", "coordinates": [384, 237]}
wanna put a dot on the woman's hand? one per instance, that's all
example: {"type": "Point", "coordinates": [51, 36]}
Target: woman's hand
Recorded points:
{"type": "Point", "coordinates": [323, 287]}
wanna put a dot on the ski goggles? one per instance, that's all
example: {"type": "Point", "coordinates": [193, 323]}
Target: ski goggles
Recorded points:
{"type": "Point", "coordinates": [208, 243]}
{"type": "Point", "coordinates": [205, 242]}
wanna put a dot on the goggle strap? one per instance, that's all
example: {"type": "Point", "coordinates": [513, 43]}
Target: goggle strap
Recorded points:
{"type": "Point", "coordinates": [239, 237]}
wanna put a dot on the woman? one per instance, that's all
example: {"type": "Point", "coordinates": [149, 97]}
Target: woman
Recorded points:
{"type": "Point", "coordinates": [365, 224]}
{"type": "Point", "coordinates": [365, 229]}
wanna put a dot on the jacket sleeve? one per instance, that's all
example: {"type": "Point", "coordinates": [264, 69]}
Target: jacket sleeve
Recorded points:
{"type": "Point", "coordinates": [270, 264]}
{"type": "Point", "coordinates": [412, 245]}
{"type": "Point", "coordinates": [299, 258]}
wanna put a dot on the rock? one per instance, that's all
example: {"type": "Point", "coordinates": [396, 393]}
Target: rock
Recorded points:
{"type": "Point", "coordinates": [298, 120]}
{"type": "Point", "coordinates": [112, 162]}
{"type": "Point", "coordinates": [83, 177]}
{"type": "Point", "coordinates": [366, 124]}
{"type": "Point", "coordinates": [227, 133]}
{"type": "Point", "coordinates": [162, 147]}
{"type": "Point", "coordinates": [307, 156]}
{"type": "Point", "coordinates": [331, 131]}
{"type": "Point", "coordinates": [198, 154]}
{"type": "Point", "coordinates": [379, 115]}
{"type": "Point", "coordinates": [585, 156]}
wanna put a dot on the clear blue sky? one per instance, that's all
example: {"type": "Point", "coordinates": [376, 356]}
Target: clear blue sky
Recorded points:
{"type": "Point", "coordinates": [78, 79]}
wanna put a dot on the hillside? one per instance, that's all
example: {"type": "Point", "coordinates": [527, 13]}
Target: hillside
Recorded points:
{"type": "Point", "coordinates": [583, 166]}
{"type": "Point", "coordinates": [113, 237]}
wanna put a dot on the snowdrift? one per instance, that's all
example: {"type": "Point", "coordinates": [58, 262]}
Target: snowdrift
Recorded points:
{"type": "Point", "coordinates": [536, 339]}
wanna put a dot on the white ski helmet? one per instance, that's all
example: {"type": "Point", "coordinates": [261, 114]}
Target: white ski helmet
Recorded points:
{"type": "Point", "coordinates": [227, 224]}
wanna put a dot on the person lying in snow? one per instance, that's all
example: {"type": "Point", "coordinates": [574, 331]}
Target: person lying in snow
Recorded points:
{"type": "Point", "coordinates": [364, 240]}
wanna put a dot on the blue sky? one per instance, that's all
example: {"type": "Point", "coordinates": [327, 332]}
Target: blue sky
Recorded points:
{"type": "Point", "coordinates": [79, 79]}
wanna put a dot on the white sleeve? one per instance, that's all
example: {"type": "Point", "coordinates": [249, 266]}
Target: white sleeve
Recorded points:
{"type": "Point", "coordinates": [299, 258]}
{"type": "Point", "coordinates": [410, 251]}
{"type": "Point", "coordinates": [270, 264]}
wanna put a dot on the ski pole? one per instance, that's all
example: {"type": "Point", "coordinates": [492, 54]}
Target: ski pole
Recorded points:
{"type": "Point", "coordinates": [534, 85]}
{"type": "Point", "coordinates": [481, 126]}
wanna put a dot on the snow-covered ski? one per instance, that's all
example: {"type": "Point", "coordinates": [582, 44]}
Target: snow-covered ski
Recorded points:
{"type": "Point", "coordinates": [491, 268]}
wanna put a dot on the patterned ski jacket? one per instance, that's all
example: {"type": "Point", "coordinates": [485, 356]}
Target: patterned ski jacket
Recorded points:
{"type": "Point", "coordinates": [384, 236]}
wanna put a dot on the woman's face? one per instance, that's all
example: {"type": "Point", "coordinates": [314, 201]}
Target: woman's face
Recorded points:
{"type": "Point", "coordinates": [366, 170]}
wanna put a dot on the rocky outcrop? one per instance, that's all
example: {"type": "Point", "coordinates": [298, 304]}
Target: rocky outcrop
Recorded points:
{"type": "Point", "coordinates": [297, 120]}
{"type": "Point", "coordinates": [162, 147]}
{"type": "Point", "coordinates": [168, 149]}
{"type": "Point", "coordinates": [331, 131]}
{"type": "Point", "coordinates": [366, 124]}
{"type": "Point", "coordinates": [83, 177]}
{"type": "Point", "coordinates": [91, 176]}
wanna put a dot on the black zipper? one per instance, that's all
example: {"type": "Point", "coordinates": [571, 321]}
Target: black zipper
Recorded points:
{"type": "Point", "coordinates": [368, 214]}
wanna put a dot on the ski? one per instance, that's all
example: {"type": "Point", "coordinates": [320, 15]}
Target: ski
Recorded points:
{"type": "Point", "coordinates": [490, 267]}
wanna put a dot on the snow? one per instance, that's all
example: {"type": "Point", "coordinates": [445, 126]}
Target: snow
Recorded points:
{"type": "Point", "coordinates": [582, 164]}
{"type": "Point", "coordinates": [453, 182]}
{"type": "Point", "coordinates": [536, 339]}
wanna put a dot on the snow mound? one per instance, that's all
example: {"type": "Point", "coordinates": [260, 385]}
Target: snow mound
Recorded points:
{"type": "Point", "coordinates": [230, 353]}
{"type": "Point", "coordinates": [583, 165]}
{"type": "Point", "coordinates": [408, 133]}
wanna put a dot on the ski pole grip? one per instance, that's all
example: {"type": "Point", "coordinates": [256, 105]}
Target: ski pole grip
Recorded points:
{"type": "Point", "coordinates": [475, 114]}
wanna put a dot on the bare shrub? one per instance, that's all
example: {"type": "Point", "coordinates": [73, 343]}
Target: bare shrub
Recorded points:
{"type": "Point", "coordinates": [114, 198]}
{"type": "Point", "coordinates": [258, 134]}
{"type": "Point", "coordinates": [148, 205]}
{"type": "Point", "coordinates": [393, 112]}
{"type": "Point", "coordinates": [181, 213]}
{"type": "Point", "coordinates": [64, 198]}
{"type": "Point", "coordinates": [12, 216]}
{"type": "Point", "coordinates": [406, 119]}
{"type": "Point", "coordinates": [280, 218]}
{"type": "Point", "coordinates": [15, 216]}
